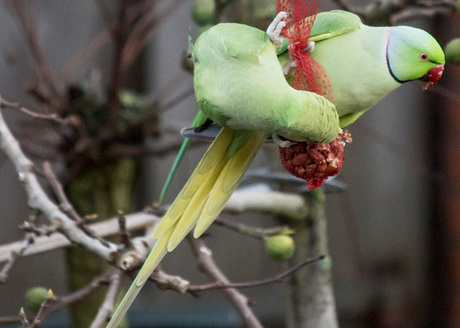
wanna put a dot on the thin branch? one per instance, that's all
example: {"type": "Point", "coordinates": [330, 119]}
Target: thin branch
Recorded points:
{"type": "Point", "coordinates": [418, 13]}
{"type": "Point", "coordinates": [143, 31]}
{"type": "Point", "coordinates": [59, 192]}
{"type": "Point", "coordinates": [125, 237]}
{"type": "Point", "coordinates": [62, 302]}
{"type": "Point", "coordinates": [292, 206]}
{"type": "Point", "coordinates": [41, 315]}
{"type": "Point", "coordinates": [209, 267]}
{"type": "Point", "coordinates": [118, 71]}
{"type": "Point", "coordinates": [47, 117]}
{"type": "Point", "coordinates": [38, 200]}
{"type": "Point", "coordinates": [14, 257]}
{"type": "Point", "coordinates": [389, 12]}
{"type": "Point", "coordinates": [44, 70]}
{"type": "Point", "coordinates": [277, 278]}
{"type": "Point", "coordinates": [165, 281]}
{"type": "Point", "coordinates": [23, 318]}
{"type": "Point", "coordinates": [106, 309]}
{"type": "Point", "coordinates": [244, 229]}
{"type": "Point", "coordinates": [134, 222]}
{"type": "Point", "coordinates": [10, 320]}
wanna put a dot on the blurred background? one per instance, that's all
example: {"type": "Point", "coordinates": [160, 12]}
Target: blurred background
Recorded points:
{"type": "Point", "coordinates": [393, 233]}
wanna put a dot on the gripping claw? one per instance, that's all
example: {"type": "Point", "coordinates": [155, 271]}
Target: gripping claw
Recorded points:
{"type": "Point", "coordinates": [276, 26]}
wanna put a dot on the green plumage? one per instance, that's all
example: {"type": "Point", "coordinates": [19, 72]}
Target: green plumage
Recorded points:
{"type": "Point", "coordinates": [239, 84]}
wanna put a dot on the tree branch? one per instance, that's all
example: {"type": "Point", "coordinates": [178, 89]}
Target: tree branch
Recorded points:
{"type": "Point", "coordinates": [134, 222]}
{"type": "Point", "coordinates": [244, 229]}
{"type": "Point", "coordinates": [277, 278]}
{"type": "Point", "coordinates": [38, 200]}
{"type": "Point", "coordinates": [209, 267]}
{"type": "Point", "coordinates": [15, 256]}
{"type": "Point", "coordinates": [292, 206]}
{"type": "Point", "coordinates": [106, 309]}
{"type": "Point", "coordinates": [47, 117]}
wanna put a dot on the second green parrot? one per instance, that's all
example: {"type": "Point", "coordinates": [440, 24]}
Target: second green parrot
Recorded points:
{"type": "Point", "coordinates": [240, 84]}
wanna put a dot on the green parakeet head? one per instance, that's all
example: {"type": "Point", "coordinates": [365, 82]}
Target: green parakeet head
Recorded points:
{"type": "Point", "coordinates": [414, 54]}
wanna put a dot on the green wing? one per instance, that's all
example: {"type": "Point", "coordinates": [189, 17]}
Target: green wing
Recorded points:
{"type": "Point", "coordinates": [333, 23]}
{"type": "Point", "coordinates": [328, 25]}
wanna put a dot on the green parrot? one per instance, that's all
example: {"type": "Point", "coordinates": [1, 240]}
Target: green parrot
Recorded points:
{"type": "Point", "coordinates": [240, 83]}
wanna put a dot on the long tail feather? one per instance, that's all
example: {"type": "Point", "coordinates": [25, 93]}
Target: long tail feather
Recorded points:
{"type": "Point", "coordinates": [155, 256]}
{"type": "Point", "coordinates": [227, 182]}
{"type": "Point", "coordinates": [200, 201]}
{"type": "Point", "coordinates": [202, 172]}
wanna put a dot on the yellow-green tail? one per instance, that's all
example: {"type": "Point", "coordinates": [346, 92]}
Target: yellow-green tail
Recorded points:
{"type": "Point", "coordinates": [200, 201]}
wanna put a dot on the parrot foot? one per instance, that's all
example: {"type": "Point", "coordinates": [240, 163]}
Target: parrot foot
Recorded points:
{"type": "Point", "coordinates": [283, 143]}
{"type": "Point", "coordinates": [288, 67]}
{"type": "Point", "coordinates": [275, 28]}
{"type": "Point", "coordinates": [310, 46]}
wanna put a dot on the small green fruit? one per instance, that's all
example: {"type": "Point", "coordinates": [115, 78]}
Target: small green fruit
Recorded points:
{"type": "Point", "coordinates": [453, 52]}
{"type": "Point", "coordinates": [203, 11]}
{"type": "Point", "coordinates": [280, 247]}
{"type": "Point", "coordinates": [35, 297]}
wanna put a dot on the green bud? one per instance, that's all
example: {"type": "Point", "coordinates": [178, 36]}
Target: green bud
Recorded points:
{"type": "Point", "coordinates": [453, 52]}
{"type": "Point", "coordinates": [203, 12]}
{"type": "Point", "coordinates": [35, 297]}
{"type": "Point", "coordinates": [280, 247]}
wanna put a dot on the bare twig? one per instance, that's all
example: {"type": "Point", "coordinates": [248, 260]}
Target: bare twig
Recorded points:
{"type": "Point", "coordinates": [143, 31]}
{"type": "Point", "coordinates": [10, 320]}
{"type": "Point", "coordinates": [124, 234]}
{"type": "Point", "coordinates": [292, 206]}
{"type": "Point", "coordinates": [41, 315]}
{"type": "Point", "coordinates": [67, 206]}
{"type": "Point", "coordinates": [255, 232]}
{"type": "Point", "coordinates": [47, 117]}
{"type": "Point", "coordinates": [42, 230]}
{"type": "Point", "coordinates": [106, 308]}
{"type": "Point", "coordinates": [390, 12]}
{"type": "Point", "coordinates": [419, 12]}
{"type": "Point", "coordinates": [38, 200]}
{"type": "Point", "coordinates": [44, 71]}
{"type": "Point", "coordinates": [118, 71]}
{"type": "Point", "coordinates": [14, 257]}
{"type": "Point", "coordinates": [277, 278]}
{"type": "Point", "coordinates": [166, 281]}
{"type": "Point", "coordinates": [59, 192]}
{"type": "Point", "coordinates": [134, 222]}
{"type": "Point", "coordinates": [62, 302]}
{"type": "Point", "coordinates": [209, 267]}
{"type": "Point", "coordinates": [23, 318]}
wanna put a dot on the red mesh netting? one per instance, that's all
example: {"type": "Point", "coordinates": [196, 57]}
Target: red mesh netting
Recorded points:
{"type": "Point", "coordinates": [309, 75]}
{"type": "Point", "coordinates": [311, 161]}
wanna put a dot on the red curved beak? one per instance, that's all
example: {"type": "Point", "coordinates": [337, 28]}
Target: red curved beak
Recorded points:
{"type": "Point", "coordinates": [433, 76]}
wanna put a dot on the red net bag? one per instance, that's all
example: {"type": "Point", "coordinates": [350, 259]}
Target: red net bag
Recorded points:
{"type": "Point", "coordinates": [311, 161]}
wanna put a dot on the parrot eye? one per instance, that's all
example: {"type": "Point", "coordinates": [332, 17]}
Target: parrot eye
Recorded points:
{"type": "Point", "coordinates": [423, 56]}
